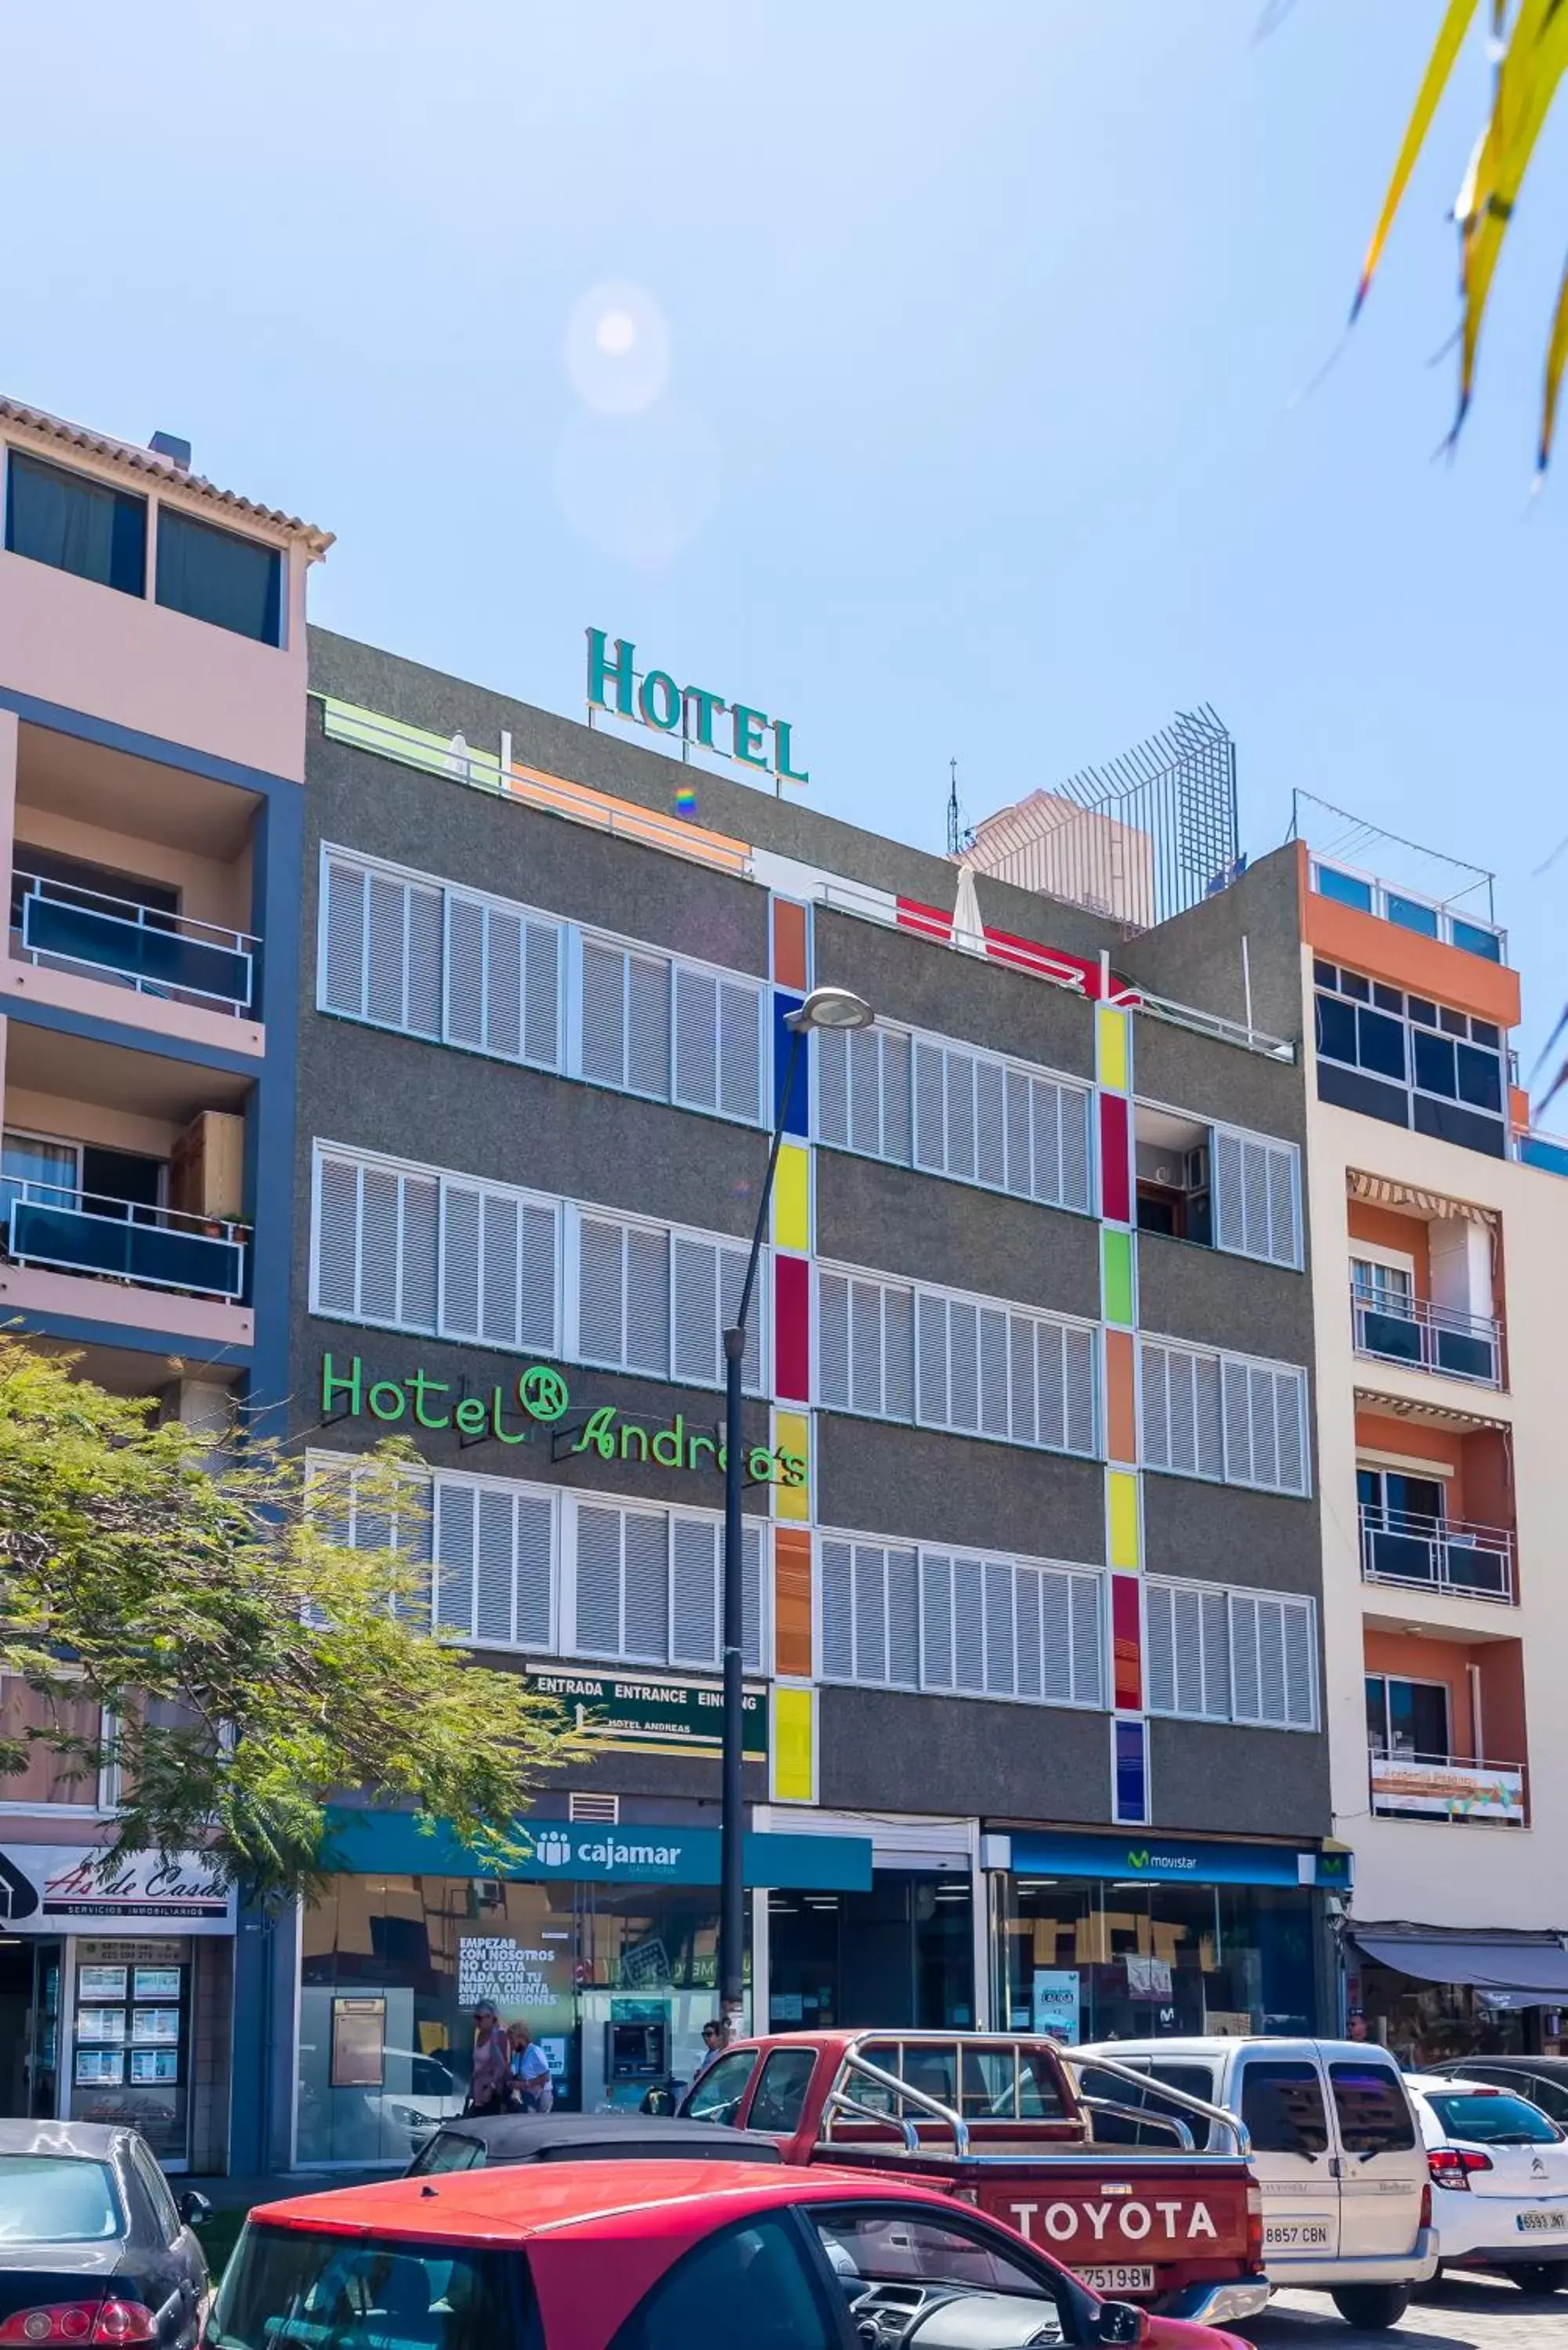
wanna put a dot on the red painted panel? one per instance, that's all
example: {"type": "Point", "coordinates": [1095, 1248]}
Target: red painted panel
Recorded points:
{"type": "Point", "coordinates": [1126, 1644]}
{"type": "Point", "coordinates": [929, 920]}
{"type": "Point", "coordinates": [792, 1328]}
{"type": "Point", "coordinates": [1115, 1187]}
{"type": "Point", "coordinates": [789, 944]}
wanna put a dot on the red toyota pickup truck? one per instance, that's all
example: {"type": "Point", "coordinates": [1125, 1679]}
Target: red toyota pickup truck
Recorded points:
{"type": "Point", "coordinates": [1005, 2123]}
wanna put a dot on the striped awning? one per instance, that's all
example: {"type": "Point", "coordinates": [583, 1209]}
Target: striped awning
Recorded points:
{"type": "Point", "coordinates": [1383, 1191]}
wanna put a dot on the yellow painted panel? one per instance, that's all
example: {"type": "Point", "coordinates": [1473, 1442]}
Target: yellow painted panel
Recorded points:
{"type": "Point", "coordinates": [792, 1198]}
{"type": "Point", "coordinates": [792, 1433]}
{"type": "Point", "coordinates": [1111, 1028]}
{"type": "Point", "coordinates": [793, 1746]}
{"type": "Point", "coordinates": [1123, 1501]}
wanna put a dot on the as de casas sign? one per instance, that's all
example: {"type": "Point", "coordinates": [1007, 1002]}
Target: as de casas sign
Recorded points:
{"type": "Point", "coordinates": [744, 734]}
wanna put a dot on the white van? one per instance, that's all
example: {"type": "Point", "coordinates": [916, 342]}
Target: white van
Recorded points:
{"type": "Point", "coordinates": [1336, 2148]}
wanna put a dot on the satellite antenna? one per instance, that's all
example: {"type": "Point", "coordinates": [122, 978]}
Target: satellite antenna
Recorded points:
{"type": "Point", "coordinates": [961, 836]}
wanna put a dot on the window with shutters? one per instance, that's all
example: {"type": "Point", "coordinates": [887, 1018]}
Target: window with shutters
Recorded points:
{"type": "Point", "coordinates": [412, 952]}
{"type": "Point", "coordinates": [1215, 1654]}
{"type": "Point", "coordinates": [960, 1624]}
{"type": "Point", "coordinates": [657, 1300]}
{"type": "Point", "coordinates": [1255, 1190]}
{"type": "Point", "coordinates": [648, 1585]}
{"type": "Point", "coordinates": [951, 1110]}
{"type": "Point", "coordinates": [624, 1019]}
{"type": "Point", "coordinates": [1225, 1417]}
{"type": "Point", "coordinates": [974, 1368]}
{"type": "Point", "coordinates": [494, 1546]}
{"type": "Point", "coordinates": [416, 1248]}
{"type": "Point", "coordinates": [350, 1505]}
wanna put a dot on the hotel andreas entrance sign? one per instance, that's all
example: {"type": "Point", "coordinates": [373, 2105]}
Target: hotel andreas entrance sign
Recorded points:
{"type": "Point", "coordinates": [654, 1715]}
{"type": "Point", "coordinates": [537, 1408]}
{"type": "Point", "coordinates": [651, 698]}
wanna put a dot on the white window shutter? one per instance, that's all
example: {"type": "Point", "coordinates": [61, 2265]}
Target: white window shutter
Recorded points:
{"type": "Point", "coordinates": [647, 1345]}
{"type": "Point", "coordinates": [1089, 1640]}
{"type": "Point", "coordinates": [696, 1038]}
{"type": "Point", "coordinates": [1230, 1214]}
{"type": "Point", "coordinates": [694, 1591]}
{"type": "Point", "coordinates": [454, 1537]}
{"type": "Point", "coordinates": [833, 1341]}
{"type": "Point", "coordinates": [534, 1564]}
{"type": "Point", "coordinates": [380, 1227]}
{"type": "Point", "coordinates": [740, 1050]}
{"type": "Point", "coordinates": [601, 1290]}
{"type": "Point", "coordinates": [963, 1367]}
{"type": "Point", "coordinates": [1046, 1182]}
{"type": "Point", "coordinates": [539, 1278]}
{"type": "Point", "coordinates": [341, 977]}
{"type": "Point", "coordinates": [1208, 1416]}
{"type": "Point", "coordinates": [1246, 1694]}
{"type": "Point", "coordinates": [500, 1233]}
{"type": "Point", "coordinates": [968, 1627]}
{"type": "Point", "coordinates": [931, 1405]}
{"type": "Point", "coordinates": [493, 1578]}
{"type": "Point", "coordinates": [1159, 1647]}
{"type": "Point", "coordinates": [753, 1612]}
{"type": "Point", "coordinates": [599, 1581]}
{"type": "Point", "coordinates": [1285, 1218]}
{"type": "Point", "coordinates": [1056, 1679]}
{"type": "Point", "coordinates": [1076, 1116]}
{"type": "Point", "coordinates": [1216, 1638]}
{"type": "Point", "coordinates": [864, 1091]}
{"type": "Point", "coordinates": [961, 1116]}
{"type": "Point", "coordinates": [337, 1236]}
{"type": "Point", "coordinates": [1236, 1398]}
{"type": "Point", "coordinates": [1290, 1414]}
{"type": "Point", "coordinates": [1029, 1586]}
{"type": "Point", "coordinates": [502, 983]}
{"type": "Point", "coordinates": [991, 1123]}
{"type": "Point", "coordinates": [1083, 1390]}
{"type": "Point", "coordinates": [1024, 1382]}
{"type": "Point", "coordinates": [936, 1620]}
{"type": "Point", "coordinates": [1018, 1105]}
{"type": "Point", "coordinates": [1000, 1647]}
{"type": "Point", "coordinates": [732, 1281]}
{"type": "Point", "coordinates": [894, 1056]}
{"type": "Point", "coordinates": [836, 1661]}
{"type": "Point", "coordinates": [464, 970]}
{"type": "Point", "coordinates": [646, 1630]}
{"type": "Point", "coordinates": [1301, 1665]}
{"type": "Point", "coordinates": [1188, 1624]}
{"type": "Point", "coordinates": [930, 1135]}
{"type": "Point", "coordinates": [542, 952]}
{"type": "Point", "coordinates": [903, 1620]}
{"type": "Point", "coordinates": [648, 1025]}
{"type": "Point", "coordinates": [1154, 1405]}
{"type": "Point", "coordinates": [898, 1353]}
{"type": "Point", "coordinates": [870, 1614]}
{"type": "Point", "coordinates": [602, 1047]}
{"type": "Point", "coordinates": [831, 1092]}
{"type": "Point", "coordinates": [696, 1348]}
{"type": "Point", "coordinates": [994, 1417]}
{"type": "Point", "coordinates": [424, 980]}
{"type": "Point", "coordinates": [419, 1250]}
{"type": "Point", "coordinates": [385, 994]}
{"type": "Point", "coordinates": [459, 1210]}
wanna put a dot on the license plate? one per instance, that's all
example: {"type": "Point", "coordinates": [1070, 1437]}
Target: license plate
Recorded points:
{"type": "Point", "coordinates": [1541, 2223]}
{"type": "Point", "coordinates": [1122, 2280]}
{"type": "Point", "coordinates": [1305, 2233]}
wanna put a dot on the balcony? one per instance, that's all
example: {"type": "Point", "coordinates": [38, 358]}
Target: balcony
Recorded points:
{"type": "Point", "coordinates": [61, 1230]}
{"type": "Point", "coordinates": [166, 955]}
{"type": "Point", "coordinates": [1427, 1338]}
{"type": "Point", "coordinates": [1436, 1555]}
{"type": "Point", "coordinates": [1440, 1787]}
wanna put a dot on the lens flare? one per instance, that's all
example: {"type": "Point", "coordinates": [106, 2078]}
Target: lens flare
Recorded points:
{"type": "Point", "coordinates": [618, 350]}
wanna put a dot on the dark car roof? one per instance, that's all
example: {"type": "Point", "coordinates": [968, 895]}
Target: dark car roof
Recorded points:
{"type": "Point", "coordinates": [554, 2137]}
{"type": "Point", "coordinates": [95, 2141]}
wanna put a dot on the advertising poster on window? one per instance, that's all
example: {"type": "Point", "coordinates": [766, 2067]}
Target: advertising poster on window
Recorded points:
{"type": "Point", "coordinates": [157, 1982]}
{"type": "Point", "coordinates": [155, 2064]}
{"type": "Point", "coordinates": [100, 1983]}
{"type": "Point", "coordinates": [100, 2068]}
{"type": "Point", "coordinates": [100, 2023]}
{"type": "Point", "coordinates": [155, 2023]}
{"type": "Point", "coordinates": [1056, 2004]}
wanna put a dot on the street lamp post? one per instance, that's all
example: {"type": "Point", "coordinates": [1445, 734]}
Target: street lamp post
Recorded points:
{"type": "Point", "coordinates": [825, 1007]}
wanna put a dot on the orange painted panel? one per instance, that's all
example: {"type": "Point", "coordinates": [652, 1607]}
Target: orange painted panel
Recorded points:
{"type": "Point", "coordinates": [1121, 1415]}
{"type": "Point", "coordinates": [1387, 1228]}
{"type": "Point", "coordinates": [1519, 1109]}
{"type": "Point", "coordinates": [1382, 951]}
{"type": "Point", "coordinates": [789, 943]}
{"type": "Point", "coordinates": [792, 1601]}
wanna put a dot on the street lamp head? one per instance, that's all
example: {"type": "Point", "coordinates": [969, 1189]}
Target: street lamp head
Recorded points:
{"type": "Point", "coordinates": [831, 1007]}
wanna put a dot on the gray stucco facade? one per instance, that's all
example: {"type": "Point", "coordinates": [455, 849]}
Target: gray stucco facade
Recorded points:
{"type": "Point", "coordinates": [889, 1478]}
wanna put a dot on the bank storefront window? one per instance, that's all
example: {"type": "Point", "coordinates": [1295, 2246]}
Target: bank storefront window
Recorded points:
{"type": "Point", "coordinates": [1099, 1957]}
{"type": "Point", "coordinates": [615, 1982]}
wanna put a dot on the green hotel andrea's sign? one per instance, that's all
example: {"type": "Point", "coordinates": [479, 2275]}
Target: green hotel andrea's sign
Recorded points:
{"type": "Point", "coordinates": [538, 1403]}
{"type": "Point", "coordinates": [654, 1715]}
{"type": "Point", "coordinates": [652, 698]}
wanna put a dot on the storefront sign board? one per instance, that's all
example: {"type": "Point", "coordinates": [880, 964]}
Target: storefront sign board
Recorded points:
{"type": "Point", "coordinates": [49, 1889]}
{"type": "Point", "coordinates": [391, 1844]}
{"type": "Point", "coordinates": [652, 1715]}
{"type": "Point", "coordinates": [1447, 1792]}
{"type": "Point", "coordinates": [1162, 1861]}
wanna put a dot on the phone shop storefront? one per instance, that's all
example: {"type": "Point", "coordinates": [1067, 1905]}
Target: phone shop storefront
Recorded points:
{"type": "Point", "coordinates": [604, 1942]}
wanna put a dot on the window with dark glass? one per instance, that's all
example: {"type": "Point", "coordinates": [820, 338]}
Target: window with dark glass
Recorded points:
{"type": "Point", "coordinates": [76, 524]}
{"type": "Point", "coordinates": [1281, 2104]}
{"type": "Point", "coordinates": [1410, 1042]}
{"type": "Point", "coordinates": [217, 576]}
{"type": "Point", "coordinates": [1374, 2112]}
{"type": "Point", "coordinates": [747, 2288]}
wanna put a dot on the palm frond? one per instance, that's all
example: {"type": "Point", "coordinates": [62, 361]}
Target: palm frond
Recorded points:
{"type": "Point", "coordinates": [1451, 38]}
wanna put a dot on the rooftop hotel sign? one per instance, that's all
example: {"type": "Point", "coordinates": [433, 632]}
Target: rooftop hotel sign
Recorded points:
{"type": "Point", "coordinates": [734, 729]}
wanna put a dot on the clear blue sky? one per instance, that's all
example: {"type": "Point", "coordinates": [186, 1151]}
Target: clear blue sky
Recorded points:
{"type": "Point", "coordinates": [980, 433]}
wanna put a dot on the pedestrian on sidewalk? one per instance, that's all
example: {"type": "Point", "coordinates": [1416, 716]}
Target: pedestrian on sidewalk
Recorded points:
{"type": "Point", "coordinates": [491, 2078]}
{"type": "Point", "coordinates": [531, 2087]}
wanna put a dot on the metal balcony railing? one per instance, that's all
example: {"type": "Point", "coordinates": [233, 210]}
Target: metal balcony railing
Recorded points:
{"type": "Point", "coordinates": [1441, 1787]}
{"type": "Point", "coordinates": [1428, 1337]}
{"type": "Point", "coordinates": [1472, 1562]}
{"type": "Point", "coordinates": [154, 1248]}
{"type": "Point", "coordinates": [155, 952]}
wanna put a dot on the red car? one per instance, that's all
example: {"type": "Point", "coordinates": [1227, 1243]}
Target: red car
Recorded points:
{"type": "Point", "coordinates": [656, 2256]}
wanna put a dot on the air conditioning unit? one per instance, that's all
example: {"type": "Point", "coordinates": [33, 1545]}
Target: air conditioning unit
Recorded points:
{"type": "Point", "coordinates": [594, 1810]}
{"type": "Point", "coordinates": [1197, 1169]}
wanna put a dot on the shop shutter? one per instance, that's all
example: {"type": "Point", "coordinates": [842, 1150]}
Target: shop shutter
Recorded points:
{"type": "Point", "coordinates": [1255, 1196]}
{"type": "Point", "coordinates": [718, 1053]}
{"type": "Point", "coordinates": [503, 981]}
{"type": "Point", "coordinates": [1265, 1425]}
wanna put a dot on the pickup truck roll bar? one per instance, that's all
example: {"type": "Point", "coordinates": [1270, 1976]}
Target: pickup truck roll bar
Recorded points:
{"type": "Point", "coordinates": [857, 2067]}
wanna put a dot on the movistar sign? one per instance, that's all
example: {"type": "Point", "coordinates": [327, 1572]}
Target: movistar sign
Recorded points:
{"type": "Point", "coordinates": [735, 730]}
{"type": "Point", "coordinates": [1161, 1860]}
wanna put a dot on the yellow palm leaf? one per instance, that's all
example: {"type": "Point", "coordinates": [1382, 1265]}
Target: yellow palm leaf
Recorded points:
{"type": "Point", "coordinates": [1451, 38]}
{"type": "Point", "coordinates": [1556, 359]}
{"type": "Point", "coordinates": [1532, 67]}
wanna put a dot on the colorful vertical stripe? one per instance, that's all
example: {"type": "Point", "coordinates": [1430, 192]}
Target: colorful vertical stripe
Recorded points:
{"type": "Point", "coordinates": [1118, 1386]}
{"type": "Point", "coordinates": [793, 1749]}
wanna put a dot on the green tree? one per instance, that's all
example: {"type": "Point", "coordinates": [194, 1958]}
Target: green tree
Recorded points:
{"type": "Point", "coordinates": [1529, 48]}
{"type": "Point", "coordinates": [249, 1663]}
